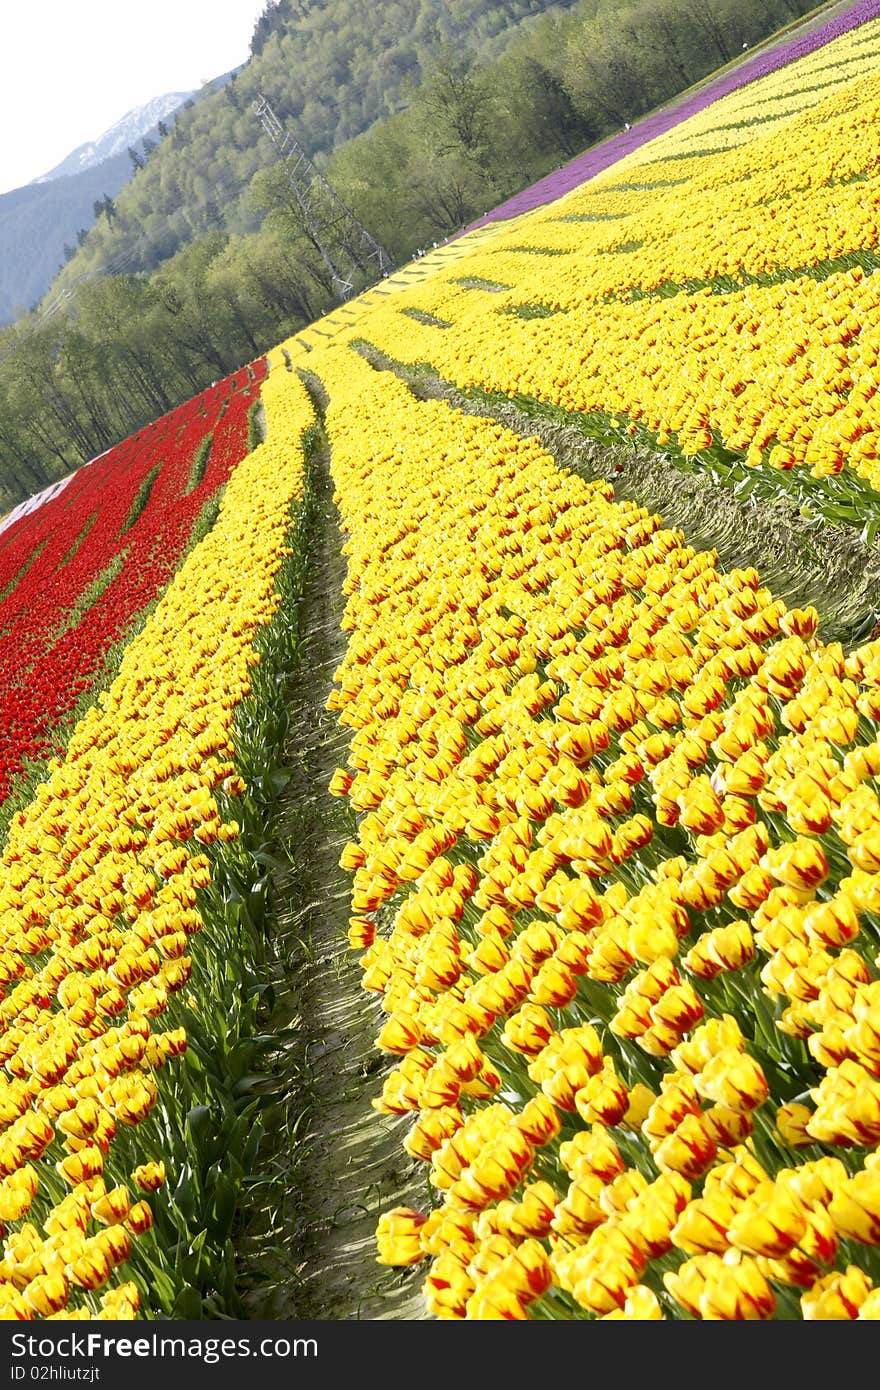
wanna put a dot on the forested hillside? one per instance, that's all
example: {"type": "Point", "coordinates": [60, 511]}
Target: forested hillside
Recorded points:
{"type": "Point", "coordinates": [211, 261]}
{"type": "Point", "coordinates": [330, 68]}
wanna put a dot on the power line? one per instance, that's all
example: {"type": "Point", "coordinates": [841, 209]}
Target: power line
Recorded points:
{"type": "Point", "coordinates": [343, 243]}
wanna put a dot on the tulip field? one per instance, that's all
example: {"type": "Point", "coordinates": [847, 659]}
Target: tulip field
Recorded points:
{"type": "Point", "coordinates": [79, 570]}
{"type": "Point", "coordinates": [614, 804]}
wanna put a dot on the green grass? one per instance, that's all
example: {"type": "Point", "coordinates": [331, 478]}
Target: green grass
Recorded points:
{"type": "Point", "coordinates": [255, 434]}
{"type": "Point", "coordinates": [422, 316]}
{"type": "Point", "coordinates": [477, 282]}
{"type": "Point", "coordinates": [592, 217]}
{"type": "Point", "coordinates": [531, 311]}
{"type": "Point", "coordinates": [533, 250]}
{"type": "Point", "coordinates": [199, 464]}
{"type": "Point", "coordinates": [625, 248]}
{"type": "Point", "coordinates": [79, 540]}
{"type": "Point", "coordinates": [642, 187]}
{"type": "Point", "coordinates": [141, 498]}
{"type": "Point", "coordinates": [697, 154]}
{"type": "Point", "coordinates": [22, 571]}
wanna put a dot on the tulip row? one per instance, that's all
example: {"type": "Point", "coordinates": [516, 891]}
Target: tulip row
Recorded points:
{"type": "Point", "coordinates": [731, 313]}
{"type": "Point", "coordinates": [105, 949]}
{"type": "Point", "coordinates": [615, 879]}
{"type": "Point", "coordinates": [768, 224]}
{"type": "Point", "coordinates": [76, 573]}
{"type": "Point", "coordinates": [685, 235]}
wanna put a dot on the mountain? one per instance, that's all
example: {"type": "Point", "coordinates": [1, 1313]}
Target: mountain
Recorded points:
{"type": "Point", "coordinates": [130, 130]}
{"type": "Point", "coordinates": [50, 216]}
{"type": "Point", "coordinates": [38, 221]}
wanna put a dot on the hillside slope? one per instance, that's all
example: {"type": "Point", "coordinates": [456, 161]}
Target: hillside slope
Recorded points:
{"type": "Point", "coordinates": [129, 345]}
{"type": "Point", "coordinates": [330, 69]}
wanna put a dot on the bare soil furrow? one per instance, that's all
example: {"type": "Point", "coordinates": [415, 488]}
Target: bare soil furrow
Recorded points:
{"type": "Point", "coordinates": [332, 1164]}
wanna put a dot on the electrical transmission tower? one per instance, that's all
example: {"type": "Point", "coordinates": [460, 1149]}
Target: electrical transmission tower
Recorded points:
{"type": "Point", "coordinates": [343, 243]}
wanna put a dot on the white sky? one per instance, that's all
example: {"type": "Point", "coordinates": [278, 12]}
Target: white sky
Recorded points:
{"type": "Point", "coordinates": [69, 69]}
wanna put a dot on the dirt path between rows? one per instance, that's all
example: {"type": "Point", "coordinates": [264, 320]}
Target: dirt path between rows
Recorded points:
{"type": "Point", "coordinates": [334, 1163]}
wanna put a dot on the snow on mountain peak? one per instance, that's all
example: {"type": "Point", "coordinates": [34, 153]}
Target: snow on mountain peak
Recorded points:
{"type": "Point", "coordinates": [129, 130]}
